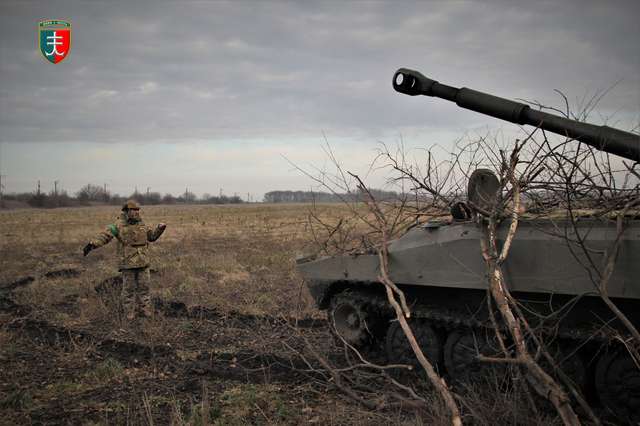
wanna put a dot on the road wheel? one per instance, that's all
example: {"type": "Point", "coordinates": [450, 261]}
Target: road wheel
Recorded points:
{"type": "Point", "coordinates": [350, 320]}
{"type": "Point", "coordinates": [461, 352]}
{"type": "Point", "coordinates": [399, 350]}
{"type": "Point", "coordinates": [617, 382]}
{"type": "Point", "coordinates": [569, 362]}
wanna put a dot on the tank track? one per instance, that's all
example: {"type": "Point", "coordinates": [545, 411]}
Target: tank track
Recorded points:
{"type": "Point", "coordinates": [451, 319]}
{"type": "Point", "coordinates": [599, 360]}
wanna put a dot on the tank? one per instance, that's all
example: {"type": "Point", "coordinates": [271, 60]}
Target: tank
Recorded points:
{"type": "Point", "coordinates": [439, 267]}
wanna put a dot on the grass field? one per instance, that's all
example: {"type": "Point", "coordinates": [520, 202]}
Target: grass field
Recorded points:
{"type": "Point", "coordinates": [68, 357]}
{"type": "Point", "coordinates": [220, 351]}
{"type": "Point", "coordinates": [230, 257]}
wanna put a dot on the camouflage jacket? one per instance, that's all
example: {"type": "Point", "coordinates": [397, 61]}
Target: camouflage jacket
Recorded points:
{"type": "Point", "coordinates": [133, 241]}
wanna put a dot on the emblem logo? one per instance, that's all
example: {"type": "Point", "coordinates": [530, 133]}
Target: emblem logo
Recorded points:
{"type": "Point", "coordinates": [54, 39]}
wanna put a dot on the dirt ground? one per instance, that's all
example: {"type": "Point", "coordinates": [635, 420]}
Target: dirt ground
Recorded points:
{"type": "Point", "coordinates": [227, 294]}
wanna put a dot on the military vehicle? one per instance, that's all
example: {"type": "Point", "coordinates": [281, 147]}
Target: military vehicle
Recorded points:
{"type": "Point", "coordinates": [439, 267]}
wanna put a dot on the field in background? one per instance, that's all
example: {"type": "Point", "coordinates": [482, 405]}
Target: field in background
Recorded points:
{"type": "Point", "coordinates": [223, 277]}
{"type": "Point", "coordinates": [230, 257]}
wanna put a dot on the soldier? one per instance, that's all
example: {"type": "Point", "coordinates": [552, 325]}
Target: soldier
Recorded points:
{"type": "Point", "coordinates": [133, 240]}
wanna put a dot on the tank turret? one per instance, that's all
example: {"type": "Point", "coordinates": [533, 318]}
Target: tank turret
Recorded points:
{"type": "Point", "coordinates": [603, 138]}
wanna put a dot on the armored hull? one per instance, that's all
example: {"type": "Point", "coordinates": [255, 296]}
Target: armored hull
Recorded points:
{"type": "Point", "coordinates": [554, 270]}
{"type": "Point", "coordinates": [541, 260]}
{"type": "Point", "coordinates": [440, 268]}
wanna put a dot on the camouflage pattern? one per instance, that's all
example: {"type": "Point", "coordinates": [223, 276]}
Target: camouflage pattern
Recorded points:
{"type": "Point", "coordinates": [133, 238]}
{"type": "Point", "coordinates": [135, 293]}
{"type": "Point", "coordinates": [133, 241]}
{"type": "Point", "coordinates": [130, 205]}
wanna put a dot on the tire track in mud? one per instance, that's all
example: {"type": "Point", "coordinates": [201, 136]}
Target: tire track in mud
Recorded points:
{"type": "Point", "coordinates": [245, 365]}
{"type": "Point", "coordinates": [63, 273]}
{"type": "Point", "coordinates": [7, 289]}
{"type": "Point", "coordinates": [177, 309]}
{"type": "Point", "coordinates": [21, 282]}
{"type": "Point", "coordinates": [7, 304]}
{"type": "Point", "coordinates": [25, 281]}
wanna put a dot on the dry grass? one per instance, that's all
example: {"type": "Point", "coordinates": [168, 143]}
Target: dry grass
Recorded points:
{"type": "Point", "coordinates": [69, 358]}
{"type": "Point", "coordinates": [230, 257]}
{"type": "Point", "coordinates": [238, 261]}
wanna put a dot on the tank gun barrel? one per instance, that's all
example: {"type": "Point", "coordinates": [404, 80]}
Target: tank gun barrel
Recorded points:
{"type": "Point", "coordinates": [603, 138]}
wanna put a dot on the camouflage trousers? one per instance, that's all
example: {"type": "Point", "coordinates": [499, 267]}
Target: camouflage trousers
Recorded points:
{"type": "Point", "coordinates": [135, 293]}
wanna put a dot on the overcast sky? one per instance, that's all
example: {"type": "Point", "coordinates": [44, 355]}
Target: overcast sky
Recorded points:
{"type": "Point", "coordinates": [213, 95]}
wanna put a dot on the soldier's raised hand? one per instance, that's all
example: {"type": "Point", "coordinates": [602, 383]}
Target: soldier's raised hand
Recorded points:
{"type": "Point", "coordinates": [159, 231]}
{"type": "Point", "coordinates": [86, 249]}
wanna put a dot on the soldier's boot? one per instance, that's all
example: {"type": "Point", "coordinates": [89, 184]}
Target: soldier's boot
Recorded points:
{"type": "Point", "coordinates": [130, 309]}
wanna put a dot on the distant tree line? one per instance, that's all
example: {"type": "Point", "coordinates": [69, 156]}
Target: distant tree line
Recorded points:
{"type": "Point", "coordinates": [91, 194]}
{"type": "Point", "coordinates": [41, 199]}
{"type": "Point", "coordinates": [191, 198]}
{"type": "Point", "coordinates": [323, 197]}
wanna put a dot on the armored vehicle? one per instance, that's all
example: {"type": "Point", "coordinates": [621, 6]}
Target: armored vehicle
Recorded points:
{"type": "Point", "coordinates": [439, 267]}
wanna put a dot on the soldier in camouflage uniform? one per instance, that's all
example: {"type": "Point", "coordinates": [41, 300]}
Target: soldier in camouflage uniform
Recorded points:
{"type": "Point", "coordinates": [133, 241]}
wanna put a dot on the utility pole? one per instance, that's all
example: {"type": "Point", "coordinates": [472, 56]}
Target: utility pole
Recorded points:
{"type": "Point", "coordinates": [1, 176]}
{"type": "Point", "coordinates": [1, 189]}
{"type": "Point", "coordinates": [38, 189]}
{"type": "Point", "coordinates": [55, 191]}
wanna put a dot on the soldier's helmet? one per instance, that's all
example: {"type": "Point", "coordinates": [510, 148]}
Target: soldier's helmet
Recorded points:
{"type": "Point", "coordinates": [130, 205]}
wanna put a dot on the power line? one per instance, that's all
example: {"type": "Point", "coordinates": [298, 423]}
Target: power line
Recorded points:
{"type": "Point", "coordinates": [55, 191]}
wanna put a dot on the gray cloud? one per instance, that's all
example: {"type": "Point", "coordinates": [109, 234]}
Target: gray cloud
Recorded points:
{"type": "Point", "coordinates": [179, 71]}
